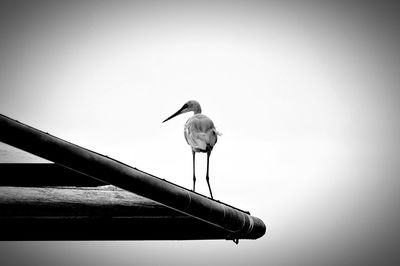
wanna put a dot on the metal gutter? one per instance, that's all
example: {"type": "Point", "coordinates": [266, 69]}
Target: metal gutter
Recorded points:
{"type": "Point", "coordinates": [237, 223]}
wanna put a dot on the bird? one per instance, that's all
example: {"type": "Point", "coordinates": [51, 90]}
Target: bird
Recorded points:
{"type": "Point", "coordinates": [200, 134]}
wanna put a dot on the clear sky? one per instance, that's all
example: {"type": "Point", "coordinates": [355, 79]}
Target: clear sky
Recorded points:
{"type": "Point", "coordinates": [306, 94]}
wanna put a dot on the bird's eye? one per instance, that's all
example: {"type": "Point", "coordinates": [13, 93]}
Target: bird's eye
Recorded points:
{"type": "Point", "coordinates": [185, 106]}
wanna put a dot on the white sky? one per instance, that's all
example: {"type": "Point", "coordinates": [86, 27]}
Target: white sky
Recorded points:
{"type": "Point", "coordinates": [305, 94]}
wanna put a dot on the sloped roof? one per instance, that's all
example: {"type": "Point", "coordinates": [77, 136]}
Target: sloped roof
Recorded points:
{"type": "Point", "coordinates": [224, 220]}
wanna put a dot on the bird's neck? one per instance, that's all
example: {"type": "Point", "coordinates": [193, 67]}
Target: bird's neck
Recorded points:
{"type": "Point", "coordinates": [197, 110]}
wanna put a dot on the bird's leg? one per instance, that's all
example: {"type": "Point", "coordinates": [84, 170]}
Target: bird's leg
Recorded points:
{"type": "Point", "coordinates": [207, 177]}
{"type": "Point", "coordinates": [194, 171]}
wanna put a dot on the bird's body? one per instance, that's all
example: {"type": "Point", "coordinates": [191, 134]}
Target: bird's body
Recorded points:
{"type": "Point", "coordinates": [200, 134]}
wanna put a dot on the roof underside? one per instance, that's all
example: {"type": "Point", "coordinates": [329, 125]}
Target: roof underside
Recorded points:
{"type": "Point", "coordinates": [49, 202]}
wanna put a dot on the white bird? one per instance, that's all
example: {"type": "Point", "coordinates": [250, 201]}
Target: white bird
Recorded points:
{"type": "Point", "coordinates": [200, 134]}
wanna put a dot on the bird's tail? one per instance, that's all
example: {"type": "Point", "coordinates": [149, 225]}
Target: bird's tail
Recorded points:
{"type": "Point", "coordinates": [217, 132]}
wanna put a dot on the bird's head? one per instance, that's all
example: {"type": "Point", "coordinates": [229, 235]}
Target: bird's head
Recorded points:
{"type": "Point", "coordinates": [187, 107]}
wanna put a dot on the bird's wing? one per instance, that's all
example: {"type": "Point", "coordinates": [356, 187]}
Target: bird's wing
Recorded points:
{"type": "Point", "coordinates": [200, 133]}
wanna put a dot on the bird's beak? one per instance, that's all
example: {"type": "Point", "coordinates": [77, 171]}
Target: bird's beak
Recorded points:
{"type": "Point", "coordinates": [180, 111]}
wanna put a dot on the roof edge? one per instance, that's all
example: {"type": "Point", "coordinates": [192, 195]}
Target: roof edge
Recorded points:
{"type": "Point", "coordinates": [237, 223]}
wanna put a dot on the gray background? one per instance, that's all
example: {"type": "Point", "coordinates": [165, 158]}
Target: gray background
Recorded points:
{"type": "Point", "coordinates": [305, 92]}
